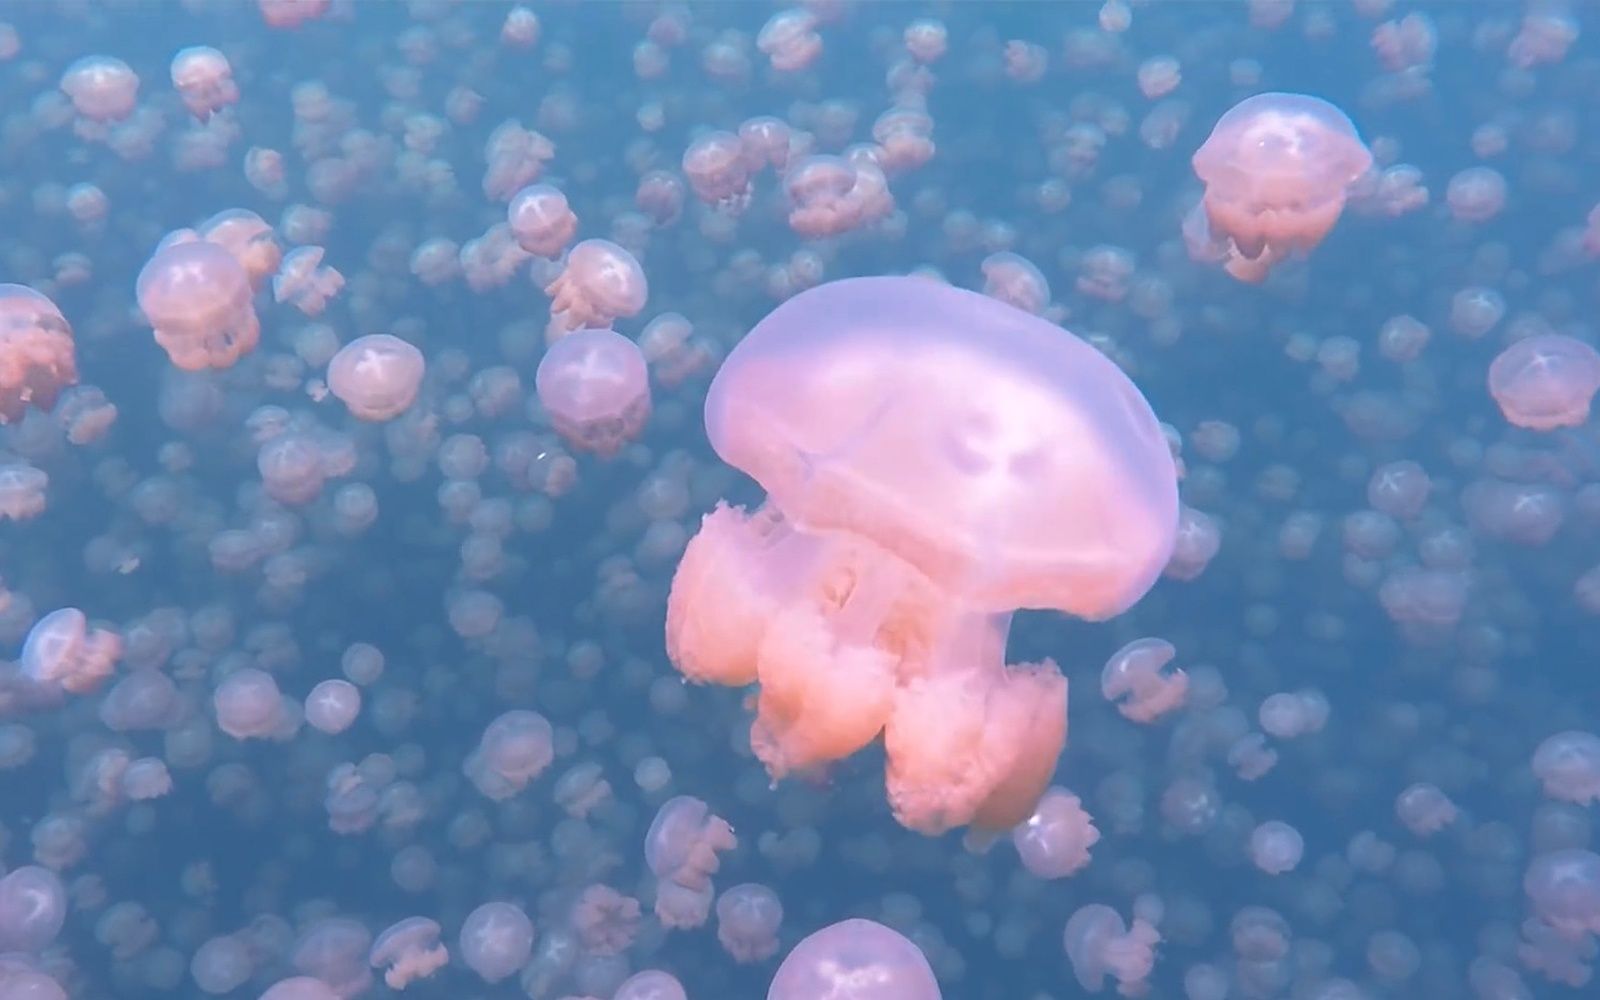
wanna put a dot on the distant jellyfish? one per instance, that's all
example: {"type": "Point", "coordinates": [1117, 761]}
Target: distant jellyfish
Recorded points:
{"type": "Point", "coordinates": [197, 297]}
{"type": "Point", "coordinates": [855, 960]}
{"type": "Point", "coordinates": [515, 749]}
{"type": "Point", "coordinates": [408, 951]}
{"type": "Point", "coordinates": [1424, 809]}
{"type": "Point", "coordinates": [248, 238]}
{"type": "Point", "coordinates": [1016, 281]}
{"type": "Point", "coordinates": [37, 359]}
{"type": "Point", "coordinates": [1054, 842]}
{"type": "Point", "coordinates": [1098, 944]}
{"type": "Point", "coordinates": [651, 984]}
{"type": "Point", "coordinates": [1276, 847]}
{"type": "Point", "coordinates": [681, 849]}
{"type": "Point", "coordinates": [204, 80]}
{"type": "Point", "coordinates": [1133, 680]}
{"type": "Point", "coordinates": [1563, 888]}
{"type": "Point", "coordinates": [222, 964]}
{"type": "Point", "coordinates": [61, 649]}
{"type": "Point", "coordinates": [33, 906]}
{"type": "Point", "coordinates": [600, 282]}
{"type": "Point", "coordinates": [376, 376]}
{"type": "Point", "coordinates": [249, 705]}
{"type": "Point", "coordinates": [1567, 765]}
{"type": "Point", "coordinates": [542, 220]}
{"type": "Point", "coordinates": [605, 920]}
{"type": "Point", "coordinates": [899, 428]}
{"type": "Point", "coordinates": [304, 283]}
{"type": "Point", "coordinates": [298, 987]}
{"type": "Point", "coordinates": [102, 88]}
{"type": "Point", "coordinates": [496, 940]}
{"type": "Point", "coordinates": [333, 705]}
{"type": "Point", "coordinates": [748, 918]}
{"type": "Point", "coordinates": [1276, 170]}
{"type": "Point", "coordinates": [22, 491]}
{"type": "Point", "coordinates": [595, 385]}
{"type": "Point", "coordinates": [1545, 382]}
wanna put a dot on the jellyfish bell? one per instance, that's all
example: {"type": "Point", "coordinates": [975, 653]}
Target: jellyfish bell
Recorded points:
{"type": "Point", "coordinates": [934, 460]}
{"type": "Point", "coordinates": [1277, 168]}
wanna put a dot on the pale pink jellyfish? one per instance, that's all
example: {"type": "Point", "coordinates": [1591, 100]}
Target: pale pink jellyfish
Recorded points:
{"type": "Point", "coordinates": [1564, 889]}
{"type": "Point", "coordinates": [251, 241]}
{"type": "Point", "coordinates": [830, 195]}
{"type": "Point", "coordinates": [1099, 944]}
{"type": "Point", "coordinates": [496, 940]}
{"type": "Point", "coordinates": [102, 88]}
{"type": "Point", "coordinates": [1197, 542]}
{"type": "Point", "coordinates": [1567, 765]}
{"type": "Point", "coordinates": [855, 960]}
{"type": "Point", "coordinates": [291, 14]}
{"type": "Point", "coordinates": [333, 705]}
{"type": "Point", "coordinates": [542, 220]}
{"type": "Point", "coordinates": [408, 951]}
{"type": "Point", "coordinates": [954, 459]}
{"type": "Point", "coordinates": [1276, 170]}
{"type": "Point", "coordinates": [62, 650]}
{"type": "Point", "coordinates": [515, 749]}
{"type": "Point", "coordinates": [595, 385]}
{"type": "Point", "coordinates": [37, 359]}
{"type": "Point", "coordinates": [789, 40]}
{"type": "Point", "coordinates": [22, 491]}
{"type": "Point", "coordinates": [681, 848]}
{"type": "Point", "coordinates": [33, 906]}
{"type": "Point", "coordinates": [1290, 715]}
{"type": "Point", "coordinates": [204, 80]}
{"type": "Point", "coordinates": [1424, 809]}
{"type": "Point", "coordinates": [297, 987]}
{"type": "Point", "coordinates": [516, 157]}
{"type": "Point", "coordinates": [376, 376]}
{"type": "Point", "coordinates": [748, 918]}
{"type": "Point", "coordinates": [651, 984]}
{"type": "Point", "coordinates": [600, 283]}
{"type": "Point", "coordinates": [719, 170]}
{"type": "Point", "coordinates": [249, 705]}
{"type": "Point", "coordinates": [1016, 281]}
{"type": "Point", "coordinates": [1054, 842]}
{"type": "Point", "coordinates": [304, 283]}
{"type": "Point", "coordinates": [1133, 680]}
{"type": "Point", "coordinates": [1545, 381]}
{"type": "Point", "coordinates": [1476, 194]}
{"type": "Point", "coordinates": [196, 296]}
{"type": "Point", "coordinates": [1276, 847]}
{"type": "Point", "coordinates": [222, 964]}
{"type": "Point", "coordinates": [605, 920]}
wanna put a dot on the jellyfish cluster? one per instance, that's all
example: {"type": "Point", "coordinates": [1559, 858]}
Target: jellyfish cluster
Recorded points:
{"type": "Point", "coordinates": [823, 500]}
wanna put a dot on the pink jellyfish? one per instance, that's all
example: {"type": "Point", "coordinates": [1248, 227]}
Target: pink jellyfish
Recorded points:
{"type": "Point", "coordinates": [541, 220]}
{"type": "Point", "coordinates": [1133, 680]}
{"type": "Point", "coordinates": [102, 88]}
{"type": "Point", "coordinates": [748, 918]}
{"type": "Point", "coordinates": [304, 282]}
{"type": "Point", "coordinates": [681, 849]}
{"type": "Point", "coordinates": [61, 649]}
{"type": "Point", "coordinates": [1276, 170]}
{"type": "Point", "coordinates": [496, 940]}
{"type": "Point", "coordinates": [376, 376]}
{"type": "Point", "coordinates": [22, 491]}
{"type": "Point", "coordinates": [197, 297]}
{"type": "Point", "coordinates": [1099, 944]}
{"type": "Point", "coordinates": [407, 951]}
{"type": "Point", "coordinates": [33, 906]}
{"type": "Point", "coordinates": [1564, 888]}
{"type": "Point", "coordinates": [595, 385]}
{"type": "Point", "coordinates": [204, 80]}
{"type": "Point", "coordinates": [855, 960]}
{"type": "Point", "coordinates": [600, 282]}
{"type": "Point", "coordinates": [933, 460]}
{"type": "Point", "coordinates": [1545, 381]}
{"type": "Point", "coordinates": [251, 241]}
{"type": "Point", "coordinates": [1567, 765]}
{"type": "Point", "coordinates": [37, 359]}
{"type": "Point", "coordinates": [249, 705]}
{"type": "Point", "coordinates": [516, 748]}
{"type": "Point", "coordinates": [1054, 842]}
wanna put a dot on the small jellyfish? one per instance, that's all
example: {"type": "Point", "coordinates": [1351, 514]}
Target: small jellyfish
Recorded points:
{"type": "Point", "coordinates": [408, 951]}
{"type": "Point", "coordinates": [102, 88]}
{"type": "Point", "coordinates": [496, 940]}
{"type": "Point", "coordinates": [541, 220]}
{"type": "Point", "coordinates": [22, 491]}
{"type": "Point", "coordinates": [1546, 381]}
{"type": "Point", "coordinates": [600, 283]}
{"type": "Point", "coordinates": [1567, 764]}
{"type": "Point", "coordinates": [1276, 170]}
{"type": "Point", "coordinates": [249, 705]}
{"type": "Point", "coordinates": [595, 385]}
{"type": "Point", "coordinates": [204, 80]}
{"type": "Point", "coordinates": [37, 359]}
{"type": "Point", "coordinates": [1098, 944]}
{"type": "Point", "coordinates": [748, 918]}
{"type": "Point", "coordinates": [681, 849]}
{"type": "Point", "coordinates": [1564, 889]}
{"type": "Point", "coordinates": [33, 906]}
{"type": "Point", "coordinates": [376, 376]}
{"type": "Point", "coordinates": [196, 295]}
{"type": "Point", "coordinates": [304, 283]}
{"type": "Point", "coordinates": [62, 650]}
{"type": "Point", "coordinates": [1276, 847]}
{"type": "Point", "coordinates": [246, 236]}
{"type": "Point", "coordinates": [1133, 680]}
{"type": "Point", "coordinates": [515, 748]}
{"type": "Point", "coordinates": [855, 960]}
{"type": "Point", "coordinates": [333, 705]}
{"type": "Point", "coordinates": [1054, 842]}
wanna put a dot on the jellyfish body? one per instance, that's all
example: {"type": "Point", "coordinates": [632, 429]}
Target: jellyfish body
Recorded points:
{"type": "Point", "coordinates": [855, 960]}
{"type": "Point", "coordinates": [197, 295]}
{"type": "Point", "coordinates": [1545, 381]}
{"type": "Point", "coordinates": [1277, 168]}
{"type": "Point", "coordinates": [595, 384]}
{"type": "Point", "coordinates": [376, 376]}
{"type": "Point", "coordinates": [933, 460]}
{"type": "Point", "coordinates": [37, 359]}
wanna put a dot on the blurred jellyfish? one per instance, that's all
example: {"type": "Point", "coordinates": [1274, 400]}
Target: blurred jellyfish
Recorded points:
{"type": "Point", "coordinates": [37, 359]}
{"type": "Point", "coordinates": [196, 296]}
{"type": "Point", "coordinates": [681, 849]}
{"type": "Point", "coordinates": [1099, 944]}
{"type": "Point", "coordinates": [496, 940]}
{"type": "Point", "coordinates": [1545, 382]}
{"type": "Point", "coordinates": [516, 748]}
{"type": "Point", "coordinates": [62, 650]}
{"type": "Point", "coordinates": [304, 282]}
{"type": "Point", "coordinates": [1054, 842]}
{"type": "Point", "coordinates": [596, 387]}
{"type": "Point", "coordinates": [204, 80]}
{"type": "Point", "coordinates": [600, 283]}
{"type": "Point", "coordinates": [408, 951]}
{"type": "Point", "coordinates": [855, 960]}
{"type": "Point", "coordinates": [748, 918]}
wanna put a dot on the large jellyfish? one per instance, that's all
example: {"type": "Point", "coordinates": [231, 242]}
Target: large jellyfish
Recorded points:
{"type": "Point", "coordinates": [37, 359]}
{"type": "Point", "coordinates": [933, 461]}
{"type": "Point", "coordinates": [1276, 168]}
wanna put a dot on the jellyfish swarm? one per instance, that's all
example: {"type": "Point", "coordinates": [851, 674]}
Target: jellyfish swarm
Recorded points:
{"type": "Point", "coordinates": [37, 359]}
{"type": "Point", "coordinates": [933, 461]}
{"type": "Point", "coordinates": [1276, 170]}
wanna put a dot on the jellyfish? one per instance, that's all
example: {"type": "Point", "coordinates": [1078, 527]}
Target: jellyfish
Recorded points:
{"type": "Point", "coordinates": [196, 296]}
{"type": "Point", "coordinates": [1545, 382]}
{"type": "Point", "coordinates": [37, 359]}
{"type": "Point", "coordinates": [61, 649]}
{"type": "Point", "coordinates": [595, 385]}
{"type": "Point", "coordinates": [407, 951]}
{"type": "Point", "coordinates": [1133, 680]}
{"type": "Point", "coordinates": [1276, 170]}
{"type": "Point", "coordinates": [855, 960]}
{"type": "Point", "coordinates": [681, 849]}
{"type": "Point", "coordinates": [934, 460]}
{"type": "Point", "coordinates": [496, 940]}
{"type": "Point", "coordinates": [305, 283]}
{"type": "Point", "coordinates": [600, 282]}
{"type": "Point", "coordinates": [204, 80]}
{"type": "Point", "coordinates": [1099, 944]}
{"type": "Point", "coordinates": [542, 220]}
{"type": "Point", "coordinates": [376, 376]}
